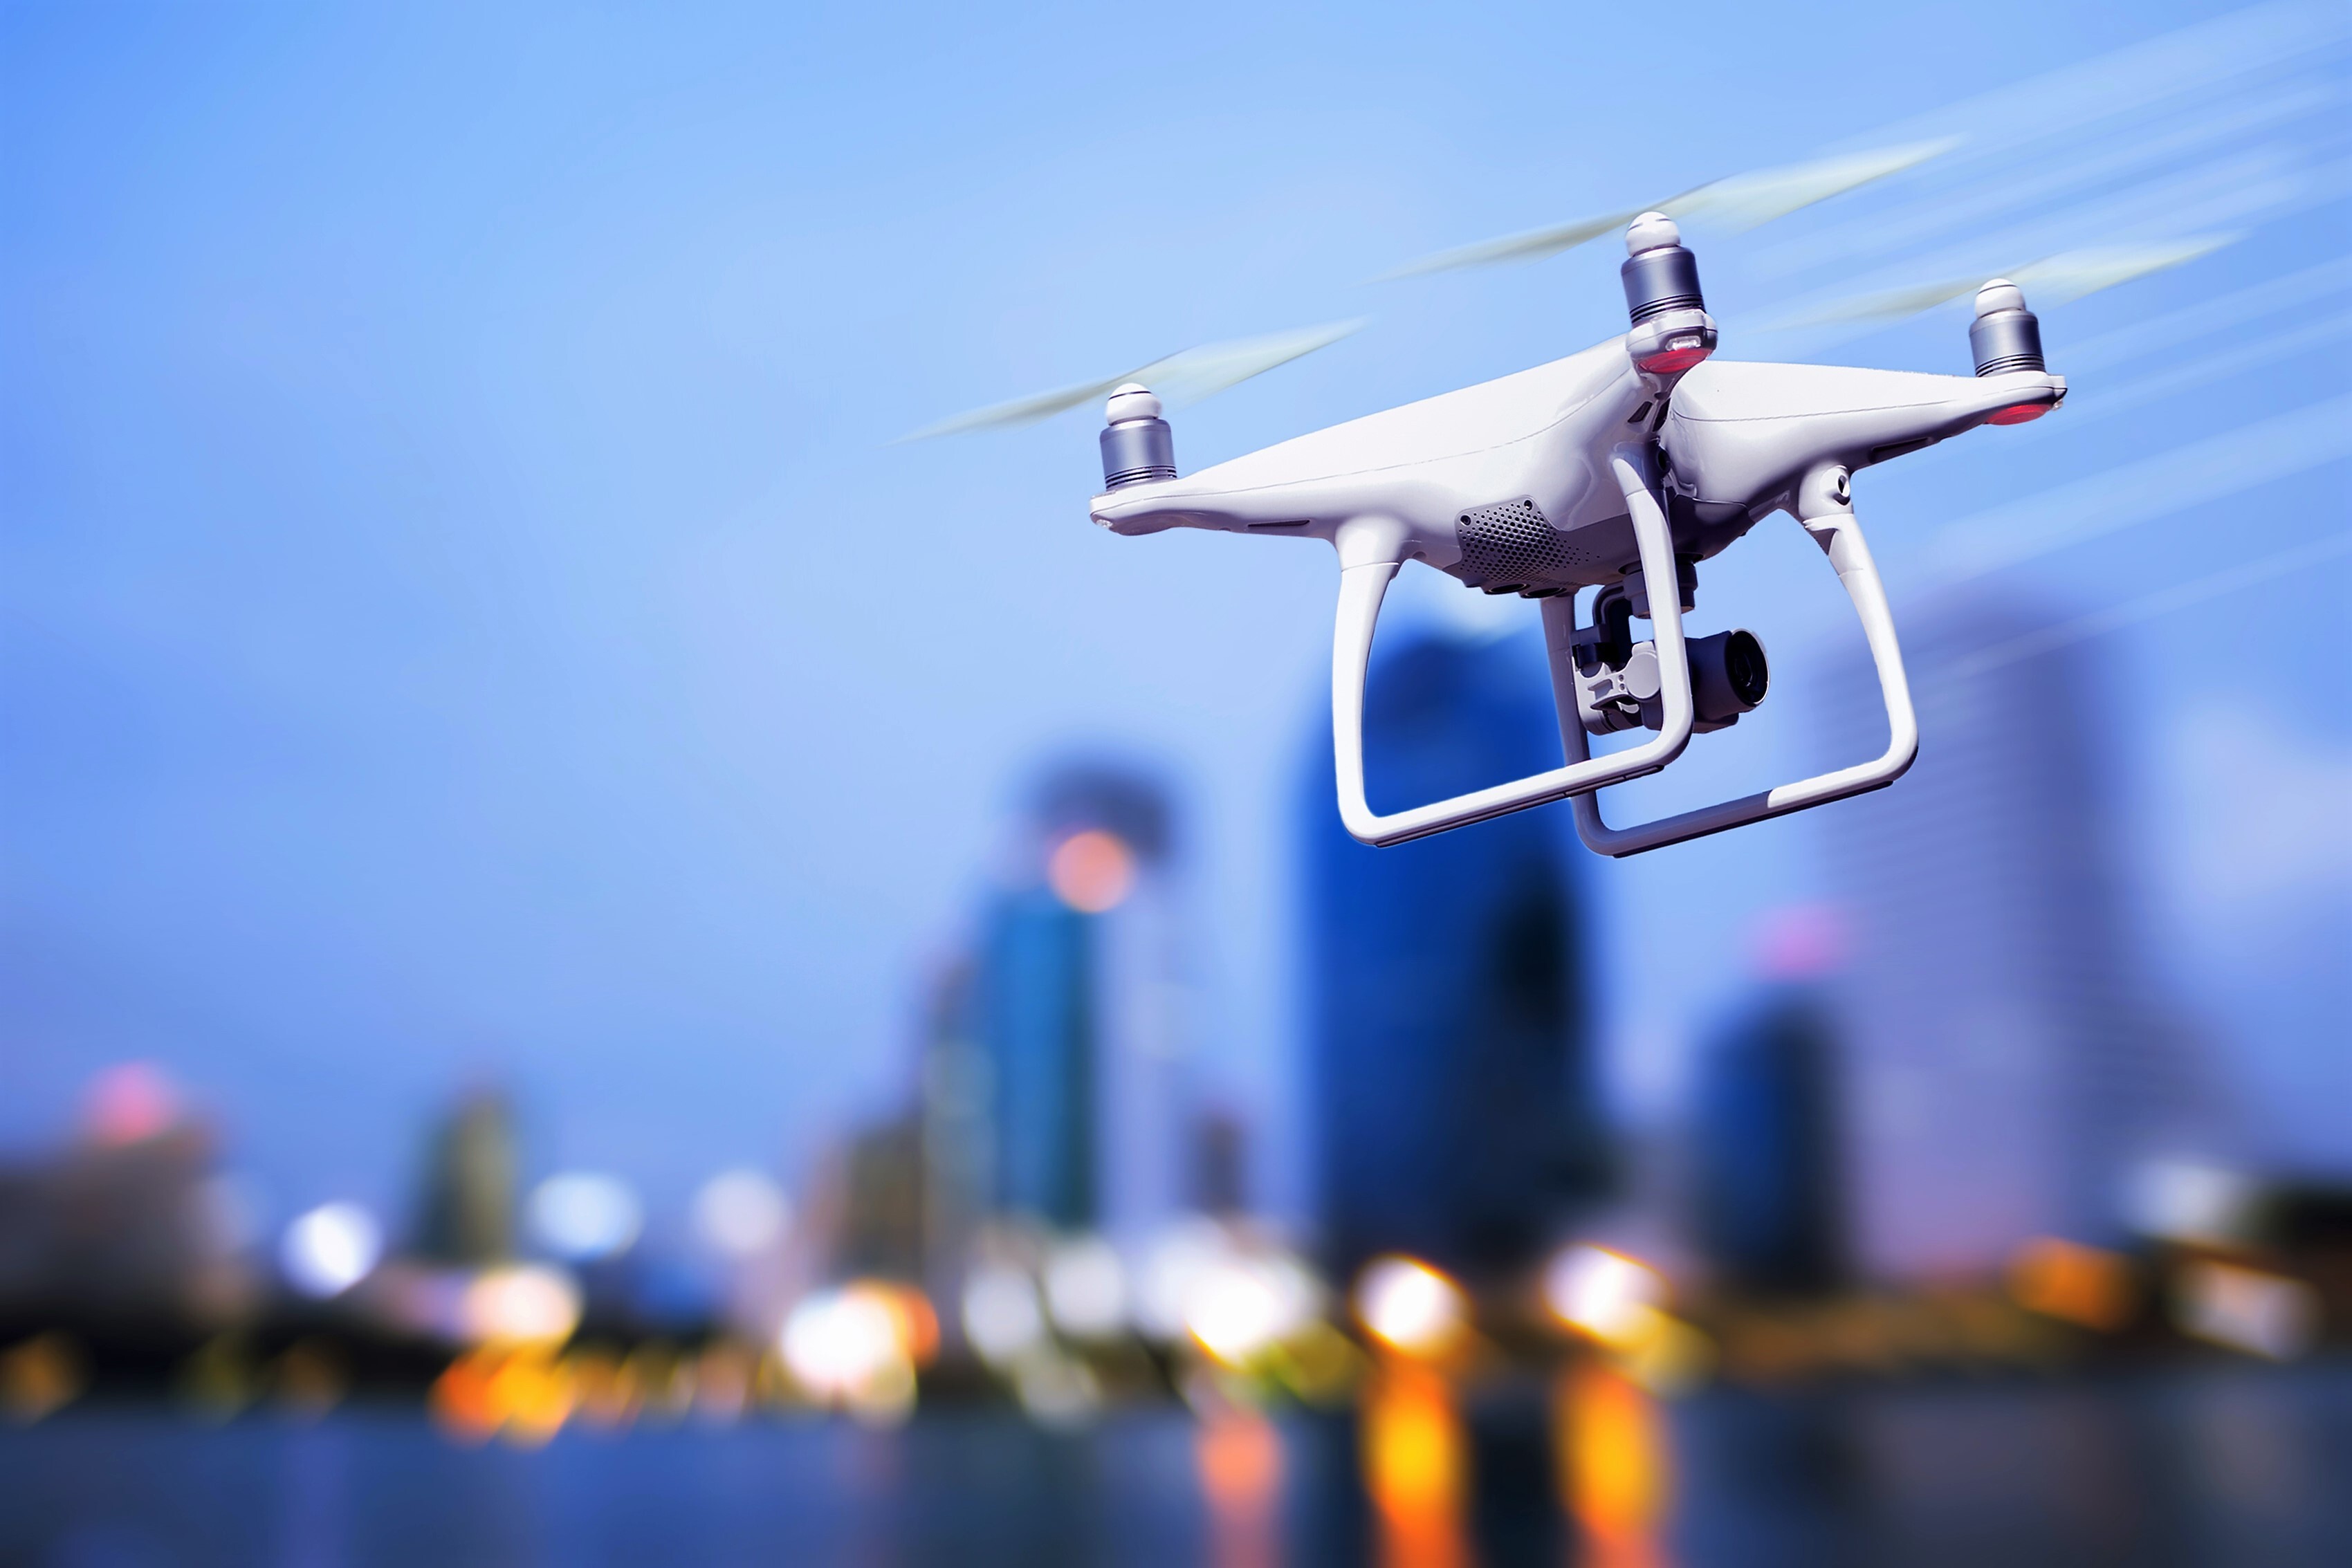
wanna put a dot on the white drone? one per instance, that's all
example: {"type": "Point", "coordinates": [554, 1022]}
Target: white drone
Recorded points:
{"type": "Point", "coordinates": [1620, 469]}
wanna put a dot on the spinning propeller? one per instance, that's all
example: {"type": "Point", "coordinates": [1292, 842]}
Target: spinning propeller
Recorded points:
{"type": "Point", "coordinates": [1740, 202]}
{"type": "Point", "coordinates": [2066, 277]}
{"type": "Point", "coordinates": [1187, 376]}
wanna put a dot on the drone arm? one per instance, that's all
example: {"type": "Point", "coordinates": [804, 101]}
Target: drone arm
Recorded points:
{"type": "Point", "coordinates": [1369, 559]}
{"type": "Point", "coordinates": [1823, 506]}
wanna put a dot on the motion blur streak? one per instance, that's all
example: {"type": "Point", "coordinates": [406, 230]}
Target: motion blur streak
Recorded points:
{"type": "Point", "coordinates": [2148, 607]}
{"type": "Point", "coordinates": [1884, 232]}
{"type": "Point", "coordinates": [2102, 503]}
{"type": "Point", "coordinates": [2209, 315]}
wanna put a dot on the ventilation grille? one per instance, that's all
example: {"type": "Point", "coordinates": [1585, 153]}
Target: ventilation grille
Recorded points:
{"type": "Point", "coordinates": [1510, 547]}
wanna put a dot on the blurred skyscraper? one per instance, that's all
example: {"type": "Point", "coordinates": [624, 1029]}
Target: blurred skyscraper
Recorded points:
{"type": "Point", "coordinates": [956, 1099]}
{"type": "Point", "coordinates": [1067, 1027]}
{"type": "Point", "coordinates": [466, 1211]}
{"type": "Point", "coordinates": [2006, 1066]}
{"type": "Point", "coordinates": [1764, 1135]}
{"type": "Point", "coordinates": [1038, 1030]}
{"type": "Point", "coordinates": [128, 1228]}
{"type": "Point", "coordinates": [880, 1230]}
{"type": "Point", "coordinates": [1450, 1093]}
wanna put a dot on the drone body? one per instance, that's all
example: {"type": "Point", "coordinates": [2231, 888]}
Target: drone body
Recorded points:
{"type": "Point", "coordinates": [1620, 468]}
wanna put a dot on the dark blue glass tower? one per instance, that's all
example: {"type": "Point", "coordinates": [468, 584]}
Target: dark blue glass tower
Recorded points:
{"type": "Point", "coordinates": [1450, 1091]}
{"type": "Point", "coordinates": [1054, 1015]}
{"type": "Point", "coordinates": [1037, 1028]}
{"type": "Point", "coordinates": [1765, 1134]}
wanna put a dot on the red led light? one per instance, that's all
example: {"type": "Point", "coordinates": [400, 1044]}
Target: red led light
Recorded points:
{"type": "Point", "coordinates": [2017, 413]}
{"type": "Point", "coordinates": [1667, 361]}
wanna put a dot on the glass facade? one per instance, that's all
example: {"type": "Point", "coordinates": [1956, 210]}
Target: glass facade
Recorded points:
{"type": "Point", "coordinates": [1451, 1096]}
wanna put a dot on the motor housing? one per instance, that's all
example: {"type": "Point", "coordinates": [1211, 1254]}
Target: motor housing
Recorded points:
{"type": "Point", "coordinates": [1138, 447]}
{"type": "Point", "coordinates": [1672, 331]}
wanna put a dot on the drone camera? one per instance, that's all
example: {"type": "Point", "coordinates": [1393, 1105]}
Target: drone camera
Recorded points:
{"type": "Point", "coordinates": [1729, 677]}
{"type": "Point", "coordinates": [1137, 448]}
{"type": "Point", "coordinates": [1672, 331]}
{"type": "Point", "coordinates": [1618, 681]}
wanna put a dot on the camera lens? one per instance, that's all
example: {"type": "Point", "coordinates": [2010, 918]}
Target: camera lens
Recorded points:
{"type": "Point", "coordinates": [1743, 668]}
{"type": "Point", "coordinates": [1728, 675]}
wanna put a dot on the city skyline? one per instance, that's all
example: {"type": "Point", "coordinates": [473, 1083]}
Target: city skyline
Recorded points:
{"type": "Point", "coordinates": [427, 663]}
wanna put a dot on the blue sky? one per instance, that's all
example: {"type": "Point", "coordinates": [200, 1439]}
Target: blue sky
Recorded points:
{"type": "Point", "coordinates": [463, 618]}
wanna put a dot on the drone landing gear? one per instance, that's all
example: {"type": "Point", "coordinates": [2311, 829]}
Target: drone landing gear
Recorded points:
{"type": "Point", "coordinates": [1665, 683]}
{"type": "Point", "coordinates": [1370, 554]}
{"type": "Point", "coordinates": [1824, 504]}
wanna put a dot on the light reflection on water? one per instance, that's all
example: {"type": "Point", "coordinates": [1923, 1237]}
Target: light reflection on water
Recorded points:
{"type": "Point", "coordinates": [2235, 1464]}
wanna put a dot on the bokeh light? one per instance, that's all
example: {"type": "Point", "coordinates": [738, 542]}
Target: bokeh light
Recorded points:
{"type": "Point", "coordinates": [1409, 1306]}
{"type": "Point", "coordinates": [1240, 1307]}
{"type": "Point", "coordinates": [854, 1346]}
{"type": "Point", "coordinates": [521, 1305]}
{"type": "Point", "coordinates": [128, 1104]}
{"type": "Point", "coordinates": [741, 1213]}
{"type": "Point", "coordinates": [1175, 1260]}
{"type": "Point", "coordinates": [583, 1215]}
{"type": "Point", "coordinates": [2250, 1309]}
{"type": "Point", "coordinates": [1603, 1293]}
{"type": "Point", "coordinates": [1002, 1316]}
{"type": "Point", "coordinates": [1092, 872]}
{"type": "Point", "coordinates": [330, 1248]}
{"type": "Point", "coordinates": [1086, 1288]}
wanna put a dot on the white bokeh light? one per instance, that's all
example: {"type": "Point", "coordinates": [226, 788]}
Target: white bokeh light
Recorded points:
{"type": "Point", "coordinates": [1605, 1295]}
{"type": "Point", "coordinates": [1000, 1316]}
{"type": "Point", "coordinates": [330, 1248]}
{"type": "Point", "coordinates": [1410, 1305]}
{"type": "Point", "coordinates": [523, 1304]}
{"type": "Point", "coordinates": [1240, 1306]}
{"type": "Point", "coordinates": [1086, 1289]}
{"type": "Point", "coordinates": [581, 1215]}
{"type": "Point", "coordinates": [740, 1213]}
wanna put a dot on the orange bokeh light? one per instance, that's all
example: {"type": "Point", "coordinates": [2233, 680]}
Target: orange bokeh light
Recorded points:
{"type": "Point", "coordinates": [2079, 1284]}
{"type": "Point", "coordinates": [1092, 872]}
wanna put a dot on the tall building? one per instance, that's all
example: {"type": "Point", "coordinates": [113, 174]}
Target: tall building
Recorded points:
{"type": "Point", "coordinates": [879, 1230]}
{"type": "Point", "coordinates": [123, 1229]}
{"type": "Point", "coordinates": [1037, 1029]}
{"type": "Point", "coordinates": [2004, 1065]}
{"type": "Point", "coordinates": [1450, 1086]}
{"type": "Point", "coordinates": [1074, 1014]}
{"type": "Point", "coordinates": [955, 1098]}
{"type": "Point", "coordinates": [1764, 1181]}
{"type": "Point", "coordinates": [466, 1212]}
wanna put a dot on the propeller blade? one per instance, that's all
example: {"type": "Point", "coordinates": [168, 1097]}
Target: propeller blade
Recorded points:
{"type": "Point", "coordinates": [2076, 273]}
{"type": "Point", "coordinates": [1196, 373]}
{"type": "Point", "coordinates": [1019, 410]}
{"type": "Point", "coordinates": [1885, 305]}
{"type": "Point", "coordinates": [1530, 246]}
{"type": "Point", "coordinates": [1742, 201]}
{"type": "Point", "coordinates": [1187, 376]}
{"type": "Point", "coordinates": [2055, 279]}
